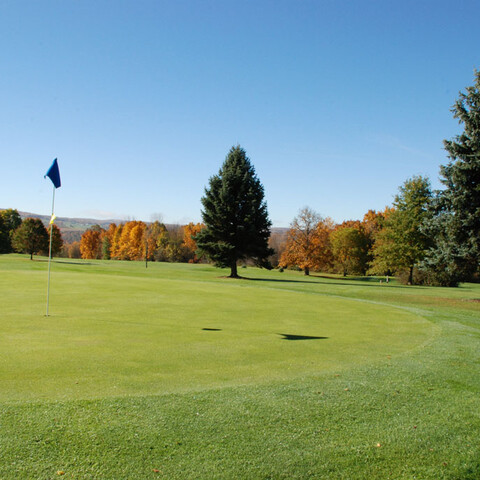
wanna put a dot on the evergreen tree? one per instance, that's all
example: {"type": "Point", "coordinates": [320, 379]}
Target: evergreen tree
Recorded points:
{"type": "Point", "coordinates": [235, 215]}
{"type": "Point", "coordinates": [455, 225]}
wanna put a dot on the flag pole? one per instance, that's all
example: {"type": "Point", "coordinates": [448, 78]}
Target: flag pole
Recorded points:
{"type": "Point", "coordinates": [50, 249]}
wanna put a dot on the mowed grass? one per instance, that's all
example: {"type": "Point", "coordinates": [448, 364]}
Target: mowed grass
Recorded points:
{"type": "Point", "coordinates": [176, 372]}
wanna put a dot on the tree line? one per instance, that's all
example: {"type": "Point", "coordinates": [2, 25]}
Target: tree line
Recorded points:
{"type": "Point", "coordinates": [137, 240]}
{"type": "Point", "coordinates": [426, 236]}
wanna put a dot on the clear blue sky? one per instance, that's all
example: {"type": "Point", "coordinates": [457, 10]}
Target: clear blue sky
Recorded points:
{"type": "Point", "coordinates": [336, 103]}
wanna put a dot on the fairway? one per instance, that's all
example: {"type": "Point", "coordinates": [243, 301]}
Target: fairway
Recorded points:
{"type": "Point", "coordinates": [120, 329]}
{"type": "Point", "coordinates": [177, 372]}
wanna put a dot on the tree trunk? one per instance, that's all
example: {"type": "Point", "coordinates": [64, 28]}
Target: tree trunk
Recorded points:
{"type": "Point", "coordinates": [233, 270]}
{"type": "Point", "coordinates": [410, 276]}
{"type": "Point", "coordinates": [306, 270]}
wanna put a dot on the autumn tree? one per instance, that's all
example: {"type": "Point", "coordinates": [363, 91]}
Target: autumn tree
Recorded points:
{"type": "Point", "coordinates": [307, 244]}
{"type": "Point", "coordinates": [57, 240]}
{"type": "Point", "coordinates": [235, 215]}
{"type": "Point", "coordinates": [91, 243]}
{"type": "Point", "coordinates": [402, 242]}
{"type": "Point", "coordinates": [115, 241]}
{"type": "Point", "coordinates": [189, 232]}
{"type": "Point", "coordinates": [131, 244]}
{"type": "Point", "coordinates": [30, 237]}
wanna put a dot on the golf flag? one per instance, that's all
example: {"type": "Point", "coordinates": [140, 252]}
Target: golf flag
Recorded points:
{"type": "Point", "coordinates": [54, 174]}
{"type": "Point", "coordinates": [52, 220]}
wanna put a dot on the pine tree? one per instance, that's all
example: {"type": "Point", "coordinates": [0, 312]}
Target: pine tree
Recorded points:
{"type": "Point", "coordinates": [235, 215]}
{"type": "Point", "coordinates": [455, 225]}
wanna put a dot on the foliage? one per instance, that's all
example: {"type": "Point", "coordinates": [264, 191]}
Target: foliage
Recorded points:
{"type": "Point", "coordinates": [401, 244]}
{"type": "Point", "coordinates": [30, 237]}
{"type": "Point", "coordinates": [308, 245]}
{"type": "Point", "coordinates": [235, 215]}
{"type": "Point", "coordinates": [189, 232]}
{"type": "Point", "coordinates": [5, 243]}
{"type": "Point", "coordinates": [455, 222]}
{"type": "Point", "coordinates": [91, 243]}
{"type": "Point", "coordinates": [9, 221]}
{"type": "Point", "coordinates": [57, 240]}
{"type": "Point", "coordinates": [350, 250]}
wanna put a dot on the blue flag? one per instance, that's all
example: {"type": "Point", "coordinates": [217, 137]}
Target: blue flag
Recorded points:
{"type": "Point", "coordinates": [54, 174]}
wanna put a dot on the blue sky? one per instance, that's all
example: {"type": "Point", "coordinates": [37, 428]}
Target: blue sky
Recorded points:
{"type": "Point", "coordinates": [336, 103]}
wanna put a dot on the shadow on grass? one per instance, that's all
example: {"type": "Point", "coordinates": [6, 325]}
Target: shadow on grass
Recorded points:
{"type": "Point", "coordinates": [64, 262]}
{"type": "Point", "coordinates": [212, 329]}
{"type": "Point", "coordinates": [366, 281]}
{"type": "Point", "coordinates": [287, 336]}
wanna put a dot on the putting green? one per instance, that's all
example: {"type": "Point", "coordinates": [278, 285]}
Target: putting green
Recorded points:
{"type": "Point", "coordinates": [126, 332]}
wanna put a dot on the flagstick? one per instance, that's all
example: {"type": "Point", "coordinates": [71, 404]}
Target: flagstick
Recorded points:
{"type": "Point", "coordinates": [50, 251]}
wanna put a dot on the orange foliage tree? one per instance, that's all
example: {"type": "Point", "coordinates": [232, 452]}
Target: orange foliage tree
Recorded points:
{"type": "Point", "coordinates": [91, 243]}
{"type": "Point", "coordinates": [189, 231]}
{"type": "Point", "coordinates": [308, 242]}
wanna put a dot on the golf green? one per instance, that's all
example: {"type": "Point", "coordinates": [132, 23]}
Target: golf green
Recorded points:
{"type": "Point", "coordinates": [118, 329]}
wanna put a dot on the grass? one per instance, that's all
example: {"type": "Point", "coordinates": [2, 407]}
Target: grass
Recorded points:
{"type": "Point", "coordinates": [175, 372]}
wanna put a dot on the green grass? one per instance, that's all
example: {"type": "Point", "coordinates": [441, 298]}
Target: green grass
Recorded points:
{"type": "Point", "coordinates": [176, 372]}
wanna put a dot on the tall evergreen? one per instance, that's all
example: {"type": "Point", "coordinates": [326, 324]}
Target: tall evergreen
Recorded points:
{"type": "Point", "coordinates": [456, 223]}
{"type": "Point", "coordinates": [235, 215]}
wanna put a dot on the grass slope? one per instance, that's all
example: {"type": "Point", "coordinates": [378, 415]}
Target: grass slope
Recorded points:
{"type": "Point", "coordinates": [174, 372]}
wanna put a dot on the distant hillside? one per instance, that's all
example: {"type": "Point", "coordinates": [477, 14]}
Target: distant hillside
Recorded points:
{"type": "Point", "coordinates": [73, 228]}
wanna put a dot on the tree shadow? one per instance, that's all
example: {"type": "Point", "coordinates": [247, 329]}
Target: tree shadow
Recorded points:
{"type": "Point", "coordinates": [212, 329]}
{"type": "Point", "coordinates": [275, 280]}
{"type": "Point", "coordinates": [366, 281]}
{"type": "Point", "coordinates": [287, 336]}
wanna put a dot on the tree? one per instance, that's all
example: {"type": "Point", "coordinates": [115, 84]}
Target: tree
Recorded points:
{"type": "Point", "coordinates": [402, 243]}
{"type": "Point", "coordinates": [10, 220]}
{"type": "Point", "coordinates": [189, 232]}
{"type": "Point", "coordinates": [455, 224]}
{"type": "Point", "coordinates": [350, 250]}
{"type": "Point", "coordinates": [30, 237]}
{"type": "Point", "coordinates": [91, 243]}
{"type": "Point", "coordinates": [235, 215]}
{"type": "Point", "coordinates": [307, 242]}
{"type": "Point", "coordinates": [57, 240]}
{"type": "Point", "coordinates": [5, 244]}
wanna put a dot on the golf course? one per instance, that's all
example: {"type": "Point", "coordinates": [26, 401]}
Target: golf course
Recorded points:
{"type": "Point", "coordinates": [177, 372]}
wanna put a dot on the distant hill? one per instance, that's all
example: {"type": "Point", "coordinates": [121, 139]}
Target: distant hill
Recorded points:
{"type": "Point", "coordinates": [73, 228]}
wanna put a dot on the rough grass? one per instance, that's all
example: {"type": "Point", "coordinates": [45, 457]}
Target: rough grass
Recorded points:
{"type": "Point", "coordinates": [174, 372]}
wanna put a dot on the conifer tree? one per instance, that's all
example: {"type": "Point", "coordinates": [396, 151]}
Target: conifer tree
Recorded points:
{"type": "Point", "coordinates": [235, 215]}
{"type": "Point", "coordinates": [455, 225]}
